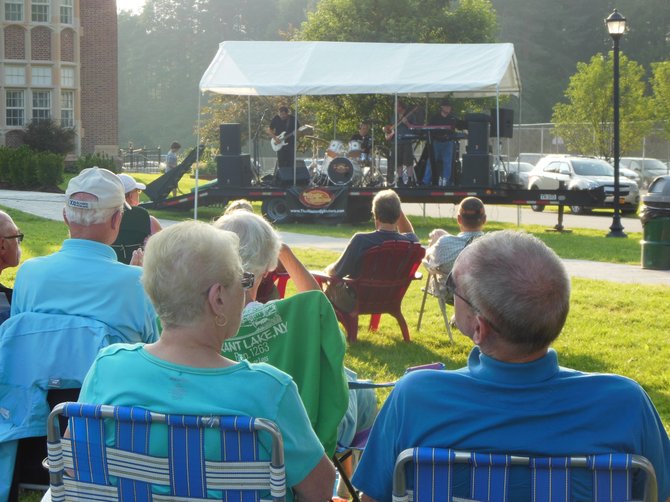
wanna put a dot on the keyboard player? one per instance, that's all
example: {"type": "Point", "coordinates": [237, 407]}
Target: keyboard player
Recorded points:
{"type": "Point", "coordinates": [443, 146]}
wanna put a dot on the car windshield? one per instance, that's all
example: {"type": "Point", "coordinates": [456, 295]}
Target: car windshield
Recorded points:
{"type": "Point", "coordinates": [654, 165]}
{"type": "Point", "coordinates": [592, 167]}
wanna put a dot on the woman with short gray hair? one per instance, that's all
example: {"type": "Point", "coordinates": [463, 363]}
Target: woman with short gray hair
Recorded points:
{"type": "Point", "coordinates": [194, 277]}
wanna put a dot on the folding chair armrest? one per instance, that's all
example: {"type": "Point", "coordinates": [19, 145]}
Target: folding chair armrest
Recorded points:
{"type": "Point", "coordinates": [325, 279]}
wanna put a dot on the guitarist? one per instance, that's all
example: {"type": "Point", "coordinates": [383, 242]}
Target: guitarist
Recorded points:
{"type": "Point", "coordinates": [284, 123]}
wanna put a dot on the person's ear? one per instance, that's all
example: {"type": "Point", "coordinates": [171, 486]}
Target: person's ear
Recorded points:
{"type": "Point", "coordinates": [116, 219]}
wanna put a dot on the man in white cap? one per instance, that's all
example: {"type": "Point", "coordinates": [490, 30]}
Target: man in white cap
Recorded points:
{"type": "Point", "coordinates": [136, 226]}
{"type": "Point", "coordinates": [84, 278]}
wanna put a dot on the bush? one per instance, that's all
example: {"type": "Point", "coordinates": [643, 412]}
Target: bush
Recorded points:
{"type": "Point", "coordinates": [95, 159]}
{"type": "Point", "coordinates": [46, 136]}
{"type": "Point", "coordinates": [26, 169]}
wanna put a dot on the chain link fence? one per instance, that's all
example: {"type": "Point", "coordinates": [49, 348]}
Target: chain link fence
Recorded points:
{"type": "Point", "coordinates": [539, 138]}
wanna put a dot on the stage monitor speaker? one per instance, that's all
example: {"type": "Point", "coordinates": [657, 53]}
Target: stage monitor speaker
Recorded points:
{"type": "Point", "coordinates": [478, 136]}
{"type": "Point", "coordinates": [477, 170]}
{"type": "Point", "coordinates": [234, 170]}
{"type": "Point", "coordinates": [285, 176]}
{"type": "Point", "coordinates": [506, 123]}
{"type": "Point", "coordinates": [229, 139]}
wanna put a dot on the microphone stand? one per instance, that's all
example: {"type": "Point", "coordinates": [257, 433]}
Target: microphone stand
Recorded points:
{"type": "Point", "coordinates": [256, 169]}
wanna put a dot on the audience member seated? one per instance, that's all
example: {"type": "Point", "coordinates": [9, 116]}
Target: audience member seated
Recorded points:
{"type": "Point", "coordinates": [10, 256]}
{"type": "Point", "coordinates": [258, 248]}
{"type": "Point", "coordinates": [84, 278]}
{"type": "Point", "coordinates": [261, 250]}
{"type": "Point", "coordinates": [391, 224]}
{"type": "Point", "coordinates": [444, 248]}
{"type": "Point", "coordinates": [137, 225]}
{"type": "Point", "coordinates": [512, 296]}
{"type": "Point", "coordinates": [193, 275]}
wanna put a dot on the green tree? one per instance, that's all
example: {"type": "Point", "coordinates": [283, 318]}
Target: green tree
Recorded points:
{"type": "Point", "coordinates": [164, 51]}
{"type": "Point", "coordinates": [660, 83]}
{"type": "Point", "coordinates": [585, 122]}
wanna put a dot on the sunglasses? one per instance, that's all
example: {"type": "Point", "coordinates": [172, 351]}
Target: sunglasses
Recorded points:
{"type": "Point", "coordinates": [18, 236]}
{"type": "Point", "coordinates": [451, 289]}
{"type": "Point", "coordinates": [247, 280]}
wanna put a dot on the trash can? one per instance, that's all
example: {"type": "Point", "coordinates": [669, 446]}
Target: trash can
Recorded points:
{"type": "Point", "coordinates": [655, 218]}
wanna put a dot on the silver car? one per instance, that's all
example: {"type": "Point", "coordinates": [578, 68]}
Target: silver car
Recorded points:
{"type": "Point", "coordinates": [582, 173]}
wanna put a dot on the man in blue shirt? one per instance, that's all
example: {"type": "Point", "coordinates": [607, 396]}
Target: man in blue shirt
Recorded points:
{"type": "Point", "coordinates": [84, 278]}
{"type": "Point", "coordinates": [511, 299]}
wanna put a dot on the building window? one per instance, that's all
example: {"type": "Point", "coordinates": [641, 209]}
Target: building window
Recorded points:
{"type": "Point", "coordinates": [13, 10]}
{"type": "Point", "coordinates": [15, 75]}
{"type": "Point", "coordinates": [67, 77]}
{"type": "Point", "coordinates": [67, 109]}
{"type": "Point", "coordinates": [15, 105]}
{"type": "Point", "coordinates": [40, 11]}
{"type": "Point", "coordinates": [41, 76]}
{"type": "Point", "coordinates": [66, 9]}
{"type": "Point", "coordinates": [41, 105]}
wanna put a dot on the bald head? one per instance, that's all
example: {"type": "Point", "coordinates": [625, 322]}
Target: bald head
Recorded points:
{"type": "Point", "coordinates": [10, 245]}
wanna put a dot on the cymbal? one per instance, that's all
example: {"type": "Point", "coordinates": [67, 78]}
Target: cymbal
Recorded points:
{"type": "Point", "coordinates": [316, 138]}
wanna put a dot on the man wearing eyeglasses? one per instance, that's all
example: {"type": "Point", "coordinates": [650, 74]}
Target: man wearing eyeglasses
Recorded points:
{"type": "Point", "coordinates": [84, 278]}
{"type": "Point", "coordinates": [512, 297]}
{"type": "Point", "coordinates": [10, 256]}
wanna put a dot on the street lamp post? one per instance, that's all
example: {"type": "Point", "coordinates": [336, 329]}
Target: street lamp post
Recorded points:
{"type": "Point", "coordinates": [616, 25]}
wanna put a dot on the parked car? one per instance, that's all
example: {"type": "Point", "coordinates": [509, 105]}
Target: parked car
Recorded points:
{"type": "Point", "coordinates": [647, 168]}
{"type": "Point", "coordinates": [522, 169]}
{"type": "Point", "coordinates": [531, 158]}
{"type": "Point", "coordinates": [582, 173]}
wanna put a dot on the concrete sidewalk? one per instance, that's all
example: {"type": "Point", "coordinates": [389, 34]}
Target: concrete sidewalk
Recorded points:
{"type": "Point", "coordinates": [49, 205]}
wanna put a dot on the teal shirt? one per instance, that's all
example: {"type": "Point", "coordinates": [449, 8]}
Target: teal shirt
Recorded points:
{"type": "Point", "coordinates": [128, 375]}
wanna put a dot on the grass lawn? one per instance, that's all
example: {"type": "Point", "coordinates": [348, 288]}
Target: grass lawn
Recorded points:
{"type": "Point", "coordinates": [612, 327]}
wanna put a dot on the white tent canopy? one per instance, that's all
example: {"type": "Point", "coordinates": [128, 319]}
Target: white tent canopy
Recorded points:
{"type": "Point", "coordinates": [324, 68]}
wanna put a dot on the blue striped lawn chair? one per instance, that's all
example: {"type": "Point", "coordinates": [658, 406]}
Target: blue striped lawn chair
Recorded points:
{"type": "Point", "coordinates": [548, 478]}
{"type": "Point", "coordinates": [83, 467]}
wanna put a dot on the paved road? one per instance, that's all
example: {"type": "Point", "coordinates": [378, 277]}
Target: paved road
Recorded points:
{"type": "Point", "coordinates": [50, 206]}
{"type": "Point", "coordinates": [523, 215]}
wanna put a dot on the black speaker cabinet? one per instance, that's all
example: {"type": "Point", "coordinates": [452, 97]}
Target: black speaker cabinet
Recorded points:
{"type": "Point", "coordinates": [229, 139]}
{"type": "Point", "coordinates": [506, 123]}
{"type": "Point", "coordinates": [285, 176]}
{"type": "Point", "coordinates": [234, 170]}
{"type": "Point", "coordinates": [477, 170]}
{"type": "Point", "coordinates": [478, 133]}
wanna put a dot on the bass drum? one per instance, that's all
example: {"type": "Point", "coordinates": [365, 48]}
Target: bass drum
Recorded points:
{"type": "Point", "coordinates": [343, 171]}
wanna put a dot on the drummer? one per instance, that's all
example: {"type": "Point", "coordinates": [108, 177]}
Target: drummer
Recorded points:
{"type": "Point", "coordinates": [363, 136]}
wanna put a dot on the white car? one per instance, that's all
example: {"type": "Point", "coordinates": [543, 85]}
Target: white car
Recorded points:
{"type": "Point", "coordinates": [582, 173]}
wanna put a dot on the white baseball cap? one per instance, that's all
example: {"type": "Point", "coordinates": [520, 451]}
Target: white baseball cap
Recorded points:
{"type": "Point", "coordinates": [129, 183]}
{"type": "Point", "coordinates": [102, 183]}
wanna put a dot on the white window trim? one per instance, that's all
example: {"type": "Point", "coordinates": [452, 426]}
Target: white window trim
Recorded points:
{"type": "Point", "coordinates": [70, 109]}
{"type": "Point", "coordinates": [8, 77]}
{"type": "Point", "coordinates": [23, 109]}
{"type": "Point", "coordinates": [63, 81]}
{"type": "Point", "coordinates": [34, 76]}
{"type": "Point", "coordinates": [13, 2]}
{"type": "Point", "coordinates": [41, 3]}
{"type": "Point", "coordinates": [36, 108]}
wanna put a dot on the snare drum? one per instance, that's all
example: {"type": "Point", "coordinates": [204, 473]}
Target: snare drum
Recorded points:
{"type": "Point", "coordinates": [335, 149]}
{"type": "Point", "coordinates": [343, 171]}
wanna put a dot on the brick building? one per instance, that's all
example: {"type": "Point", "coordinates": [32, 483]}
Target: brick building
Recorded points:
{"type": "Point", "coordinates": [58, 60]}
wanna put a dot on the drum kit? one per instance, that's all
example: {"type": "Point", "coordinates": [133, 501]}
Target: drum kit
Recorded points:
{"type": "Point", "coordinates": [345, 165]}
